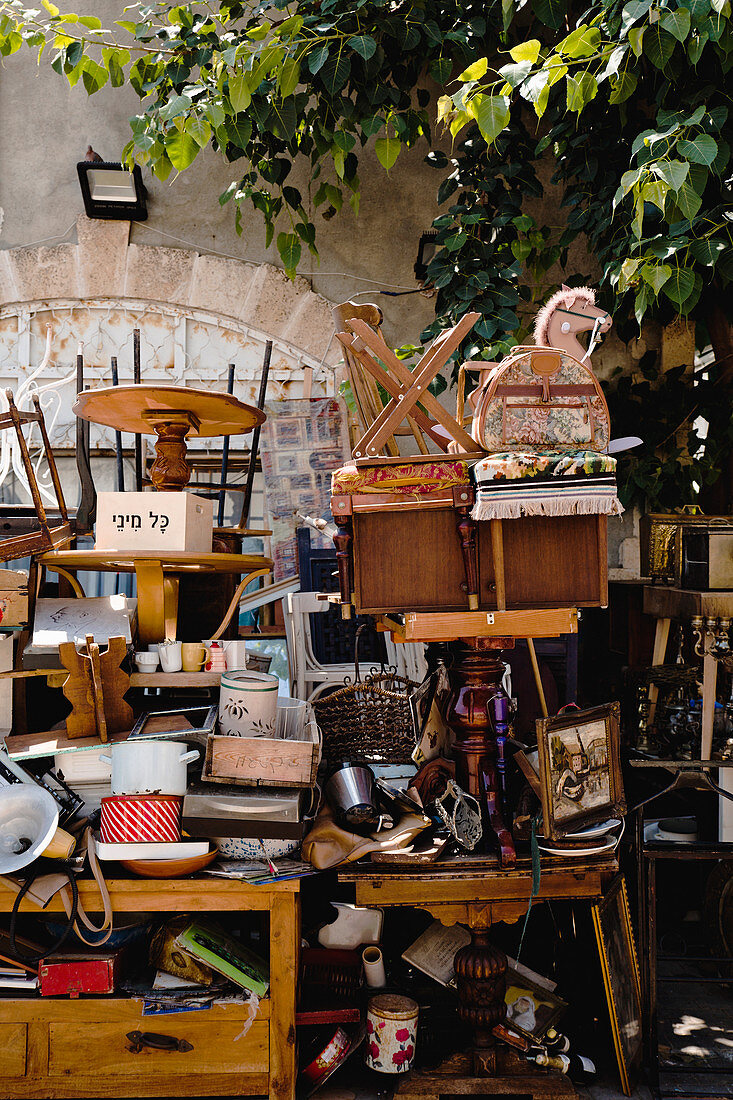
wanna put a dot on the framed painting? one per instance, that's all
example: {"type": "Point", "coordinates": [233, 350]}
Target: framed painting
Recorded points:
{"type": "Point", "coordinates": [615, 938]}
{"type": "Point", "coordinates": [530, 1008]}
{"type": "Point", "coordinates": [580, 769]}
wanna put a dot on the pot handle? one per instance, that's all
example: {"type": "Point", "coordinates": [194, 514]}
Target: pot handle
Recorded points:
{"type": "Point", "coordinates": [187, 757]}
{"type": "Point", "coordinates": [104, 759]}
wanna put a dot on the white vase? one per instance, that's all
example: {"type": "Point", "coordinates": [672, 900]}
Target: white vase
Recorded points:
{"type": "Point", "coordinates": [248, 704]}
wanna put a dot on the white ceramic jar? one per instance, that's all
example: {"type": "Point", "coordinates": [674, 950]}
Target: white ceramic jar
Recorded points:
{"type": "Point", "coordinates": [149, 767]}
{"type": "Point", "coordinates": [248, 704]}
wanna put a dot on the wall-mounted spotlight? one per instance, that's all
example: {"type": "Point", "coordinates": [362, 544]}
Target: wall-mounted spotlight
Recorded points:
{"type": "Point", "coordinates": [110, 190]}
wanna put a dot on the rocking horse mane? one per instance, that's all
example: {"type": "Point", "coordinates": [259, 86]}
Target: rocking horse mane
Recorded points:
{"type": "Point", "coordinates": [562, 297]}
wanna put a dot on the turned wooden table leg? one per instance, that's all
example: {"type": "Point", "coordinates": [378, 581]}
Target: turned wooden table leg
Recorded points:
{"type": "Point", "coordinates": [343, 539]}
{"type": "Point", "coordinates": [463, 501]}
{"type": "Point", "coordinates": [481, 981]}
{"type": "Point", "coordinates": [171, 470]}
{"type": "Point", "coordinates": [475, 678]}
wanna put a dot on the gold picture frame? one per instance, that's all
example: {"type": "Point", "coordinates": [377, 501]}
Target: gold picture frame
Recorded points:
{"type": "Point", "coordinates": [620, 966]}
{"type": "Point", "coordinates": [580, 769]}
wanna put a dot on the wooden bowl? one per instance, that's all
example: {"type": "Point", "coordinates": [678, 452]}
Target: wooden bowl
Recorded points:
{"type": "Point", "coordinates": [169, 868]}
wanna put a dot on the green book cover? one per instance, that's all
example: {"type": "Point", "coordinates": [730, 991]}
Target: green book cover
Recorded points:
{"type": "Point", "coordinates": [226, 955]}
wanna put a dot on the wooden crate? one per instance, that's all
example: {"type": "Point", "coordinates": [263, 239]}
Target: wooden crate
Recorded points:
{"type": "Point", "coordinates": [264, 761]}
{"type": "Point", "coordinates": [160, 522]}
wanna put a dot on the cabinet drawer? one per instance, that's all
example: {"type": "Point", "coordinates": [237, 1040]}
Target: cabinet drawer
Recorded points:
{"type": "Point", "coordinates": [12, 1050]}
{"type": "Point", "coordinates": [73, 1047]}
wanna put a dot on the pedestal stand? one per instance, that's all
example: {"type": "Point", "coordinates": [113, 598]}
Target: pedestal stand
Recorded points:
{"type": "Point", "coordinates": [475, 677]}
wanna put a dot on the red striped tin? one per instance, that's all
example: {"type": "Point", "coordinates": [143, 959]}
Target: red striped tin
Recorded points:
{"type": "Point", "coordinates": [136, 819]}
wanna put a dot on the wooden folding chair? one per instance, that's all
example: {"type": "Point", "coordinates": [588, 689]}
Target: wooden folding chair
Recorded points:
{"type": "Point", "coordinates": [408, 390]}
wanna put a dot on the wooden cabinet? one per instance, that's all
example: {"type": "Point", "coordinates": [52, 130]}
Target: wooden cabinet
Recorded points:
{"type": "Point", "coordinates": [59, 1047]}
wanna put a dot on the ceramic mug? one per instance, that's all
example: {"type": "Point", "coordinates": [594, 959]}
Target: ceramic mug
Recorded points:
{"type": "Point", "coordinates": [171, 659]}
{"type": "Point", "coordinates": [235, 650]}
{"type": "Point", "coordinates": [146, 661]}
{"type": "Point", "coordinates": [193, 655]}
{"type": "Point", "coordinates": [248, 704]}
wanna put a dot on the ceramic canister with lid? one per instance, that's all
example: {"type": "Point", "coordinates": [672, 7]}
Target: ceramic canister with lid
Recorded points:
{"type": "Point", "coordinates": [391, 1033]}
{"type": "Point", "coordinates": [248, 704]}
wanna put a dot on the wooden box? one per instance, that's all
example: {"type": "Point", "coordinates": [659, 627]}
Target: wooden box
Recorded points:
{"type": "Point", "coordinates": [411, 560]}
{"type": "Point", "coordinates": [157, 522]}
{"type": "Point", "coordinates": [13, 599]}
{"type": "Point", "coordinates": [266, 761]}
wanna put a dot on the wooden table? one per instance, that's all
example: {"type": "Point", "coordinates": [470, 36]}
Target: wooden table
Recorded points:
{"type": "Point", "coordinates": [475, 891]}
{"type": "Point", "coordinates": [172, 413]}
{"type": "Point", "coordinates": [57, 1047]}
{"type": "Point", "coordinates": [157, 578]}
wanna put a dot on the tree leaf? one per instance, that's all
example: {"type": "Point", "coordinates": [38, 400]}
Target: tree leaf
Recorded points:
{"type": "Point", "coordinates": [677, 23]}
{"type": "Point", "coordinates": [475, 71]}
{"type": "Point", "coordinates": [364, 44]}
{"type": "Point", "coordinates": [181, 149]}
{"type": "Point", "coordinates": [658, 45]}
{"type": "Point", "coordinates": [240, 96]}
{"type": "Point", "coordinates": [440, 69]}
{"type": "Point", "coordinates": [636, 35]}
{"type": "Point", "coordinates": [656, 275]}
{"type": "Point", "coordinates": [387, 150]}
{"type": "Point", "coordinates": [95, 76]}
{"type": "Point", "coordinates": [696, 45]}
{"type": "Point", "coordinates": [688, 200]}
{"type": "Point", "coordinates": [317, 58]}
{"type": "Point", "coordinates": [199, 130]}
{"type": "Point", "coordinates": [632, 12]}
{"type": "Point", "coordinates": [707, 251]}
{"type": "Point", "coordinates": [178, 105]}
{"type": "Point", "coordinates": [289, 77]}
{"type": "Point", "coordinates": [679, 286]}
{"type": "Point", "coordinates": [526, 51]}
{"type": "Point", "coordinates": [550, 12]}
{"type": "Point", "coordinates": [673, 172]}
{"type": "Point", "coordinates": [701, 149]}
{"type": "Point", "coordinates": [491, 113]}
{"type": "Point", "coordinates": [288, 245]}
{"type": "Point", "coordinates": [655, 192]}
{"type": "Point", "coordinates": [624, 87]}
{"type": "Point", "coordinates": [335, 73]}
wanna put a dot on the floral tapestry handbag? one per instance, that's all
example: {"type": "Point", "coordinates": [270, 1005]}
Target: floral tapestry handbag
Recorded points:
{"type": "Point", "coordinates": [541, 397]}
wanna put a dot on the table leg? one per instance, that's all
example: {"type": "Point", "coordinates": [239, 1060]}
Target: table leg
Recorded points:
{"type": "Point", "coordinates": [157, 603]}
{"type": "Point", "coordinates": [709, 684]}
{"type": "Point", "coordinates": [284, 957]}
{"type": "Point", "coordinates": [661, 636]}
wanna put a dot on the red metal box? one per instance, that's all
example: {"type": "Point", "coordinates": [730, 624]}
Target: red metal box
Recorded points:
{"type": "Point", "coordinates": [69, 975]}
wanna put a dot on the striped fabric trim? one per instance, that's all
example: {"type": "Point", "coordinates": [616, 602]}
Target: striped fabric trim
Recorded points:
{"type": "Point", "coordinates": [547, 497]}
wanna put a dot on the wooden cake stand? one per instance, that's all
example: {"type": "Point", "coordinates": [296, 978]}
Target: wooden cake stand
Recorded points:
{"type": "Point", "coordinates": [172, 413]}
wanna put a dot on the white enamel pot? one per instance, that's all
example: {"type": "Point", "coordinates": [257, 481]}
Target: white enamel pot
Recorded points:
{"type": "Point", "coordinates": [149, 767]}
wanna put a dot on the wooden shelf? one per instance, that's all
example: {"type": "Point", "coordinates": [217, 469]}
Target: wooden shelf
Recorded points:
{"type": "Point", "coordinates": [174, 679]}
{"type": "Point", "coordinates": [166, 895]}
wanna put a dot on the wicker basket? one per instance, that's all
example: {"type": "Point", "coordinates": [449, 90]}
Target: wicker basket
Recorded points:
{"type": "Point", "coordinates": [370, 719]}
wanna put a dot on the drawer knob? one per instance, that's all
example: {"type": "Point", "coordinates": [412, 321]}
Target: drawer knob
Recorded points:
{"type": "Point", "coordinates": [141, 1039]}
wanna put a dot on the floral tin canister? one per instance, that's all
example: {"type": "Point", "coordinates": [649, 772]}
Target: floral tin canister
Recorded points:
{"type": "Point", "coordinates": [248, 704]}
{"type": "Point", "coordinates": [391, 1033]}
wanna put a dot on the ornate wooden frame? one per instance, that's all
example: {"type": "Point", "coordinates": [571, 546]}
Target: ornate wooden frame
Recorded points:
{"type": "Point", "coordinates": [609, 714]}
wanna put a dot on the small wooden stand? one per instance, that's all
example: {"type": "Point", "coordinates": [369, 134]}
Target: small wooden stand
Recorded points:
{"type": "Point", "coordinates": [95, 688]}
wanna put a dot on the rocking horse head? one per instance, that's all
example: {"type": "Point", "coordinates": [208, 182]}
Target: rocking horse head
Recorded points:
{"type": "Point", "coordinates": [569, 311]}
